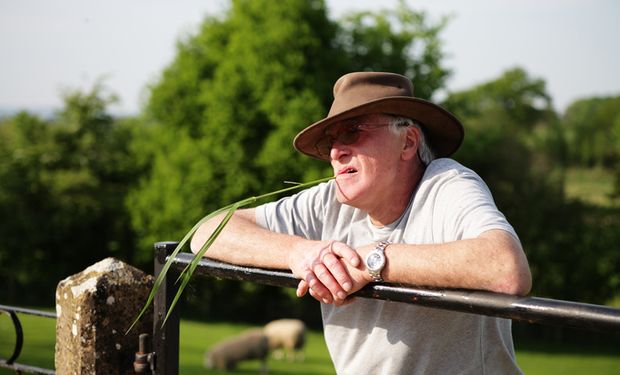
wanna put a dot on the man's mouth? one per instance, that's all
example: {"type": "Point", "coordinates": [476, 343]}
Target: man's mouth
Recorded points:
{"type": "Point", "coordinates": [347, 170]}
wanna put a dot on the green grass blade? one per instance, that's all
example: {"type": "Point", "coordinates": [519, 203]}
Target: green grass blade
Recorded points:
{"type": "Point", "coordinates": [188, 271]}
{"type": "Point", "coordinates": [164, 271]}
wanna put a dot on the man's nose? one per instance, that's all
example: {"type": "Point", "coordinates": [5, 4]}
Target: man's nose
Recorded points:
{"type": "Point", "coordinates": [339, 150]}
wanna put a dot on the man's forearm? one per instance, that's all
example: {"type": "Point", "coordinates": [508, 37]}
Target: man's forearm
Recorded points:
{"type": "Point", "coordinates": [244, 242]}
{"type": "Point", "coordinates": [494, 262]}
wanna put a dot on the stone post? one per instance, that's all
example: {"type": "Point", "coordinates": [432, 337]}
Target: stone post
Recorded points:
{"type": "Point", "coordinates": [95, 308]}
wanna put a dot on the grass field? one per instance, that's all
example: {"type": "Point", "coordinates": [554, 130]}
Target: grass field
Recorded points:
{"type": "Point", "coordinates": [537, 358]}
{"type": "Point", "coordinates": [541, 363]}
{"type": "Point", "coordinates": [591, 185]}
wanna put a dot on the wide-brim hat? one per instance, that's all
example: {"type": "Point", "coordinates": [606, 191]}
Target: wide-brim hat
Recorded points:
{"type": "Point", "coordinates": [364, 93]}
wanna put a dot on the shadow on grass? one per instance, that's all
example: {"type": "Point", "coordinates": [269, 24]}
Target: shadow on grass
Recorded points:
{"type": "Point", "coordinates": [309, 366]}
{"type": "Point", "coordinates": [243, 371]}
{"type": "Point", "coordinates": [564, 340]}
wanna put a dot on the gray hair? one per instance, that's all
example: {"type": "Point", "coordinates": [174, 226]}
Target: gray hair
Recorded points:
{"type": "Point", "coordinates": [425, 152]}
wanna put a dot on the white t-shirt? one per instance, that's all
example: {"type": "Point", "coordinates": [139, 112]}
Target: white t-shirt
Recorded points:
{"type": "Point", "coordinates": [380, 337]}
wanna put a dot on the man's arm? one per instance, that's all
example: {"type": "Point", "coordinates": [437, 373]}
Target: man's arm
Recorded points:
{"type": "Point", "coordinates": [494, 261]}
{"type": "Point", "coordinates": [244, 242]}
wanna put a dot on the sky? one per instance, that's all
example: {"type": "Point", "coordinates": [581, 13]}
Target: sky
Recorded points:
{"type": "Point", "coordinates": [49, 47]}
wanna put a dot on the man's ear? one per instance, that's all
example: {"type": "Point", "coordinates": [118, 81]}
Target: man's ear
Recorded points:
{"type": "Point", "coordinates": [410, 146]}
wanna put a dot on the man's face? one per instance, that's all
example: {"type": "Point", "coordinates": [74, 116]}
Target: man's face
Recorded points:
{"type": "Point", "coordinates": [366, 157]}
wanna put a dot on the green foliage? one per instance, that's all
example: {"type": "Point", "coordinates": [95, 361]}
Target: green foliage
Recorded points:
{"type": "Point", "coordinates": [400, 40]}
{"type": "Point", "coordinates": [514, 142]}
{"type": "Point", "coordinates": [62, 194]}
{"type": "Point", "coordinates": [222, 116]}
{"type": "Point", "coordinates": [227, 109]}
{"type": "Point", "coordinates": [510, 118]}
{"type": "Point", "coordinates": [593, 130]}
{"type": "Point", "coordinates": [593, 186]}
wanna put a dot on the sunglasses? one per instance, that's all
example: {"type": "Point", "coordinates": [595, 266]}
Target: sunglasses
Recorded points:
{"type": "Point", "coordinates": [347, 133]}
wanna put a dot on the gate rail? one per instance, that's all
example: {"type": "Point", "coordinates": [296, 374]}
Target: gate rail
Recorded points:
{"type": "Point", "coordinates": [528, 309]}
{"type": "Point", "coordinates": [19, 340]}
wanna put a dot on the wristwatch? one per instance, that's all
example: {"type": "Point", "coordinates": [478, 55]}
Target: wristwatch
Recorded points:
{"type": "Point", "coordinates": [375, 261]}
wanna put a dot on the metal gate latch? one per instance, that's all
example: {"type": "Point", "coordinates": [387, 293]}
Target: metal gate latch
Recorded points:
{"type": "Point", "coordinates": [145, 359]}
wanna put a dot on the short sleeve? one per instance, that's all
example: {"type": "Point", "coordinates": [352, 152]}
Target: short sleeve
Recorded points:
{"type": "Point", "coordinates": [467, 208]}
{"type": "Point", "coordinates": [301, 214]}
{"type": "Point", "coordinates": [473, 208]}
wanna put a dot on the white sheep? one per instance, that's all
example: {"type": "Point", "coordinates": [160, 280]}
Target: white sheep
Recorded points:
{"type": "Point", "coordinates": [288, 335]}
{"type": "Point", "coordinates": [251, 344]}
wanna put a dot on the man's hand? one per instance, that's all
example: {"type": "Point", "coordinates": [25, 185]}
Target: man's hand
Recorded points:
{"type": "Point", "coordinates": [325, 269]}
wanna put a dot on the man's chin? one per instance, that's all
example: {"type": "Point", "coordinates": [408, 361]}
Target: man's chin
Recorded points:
{"type": "Point", "coordinates": [347, 194]}
{"type": "Point", "coordinates": [344, 199]}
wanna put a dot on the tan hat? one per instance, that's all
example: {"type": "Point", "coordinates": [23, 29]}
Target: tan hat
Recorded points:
{"type": "Point", "coordinates": [364, 93]}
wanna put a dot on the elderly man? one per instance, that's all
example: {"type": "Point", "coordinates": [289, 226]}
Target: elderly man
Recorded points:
{"type": "Point", "coordinates": [398, 211]}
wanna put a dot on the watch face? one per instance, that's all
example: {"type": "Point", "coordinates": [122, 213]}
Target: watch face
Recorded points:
{"type": "Point", "coordinates": [374, 261]}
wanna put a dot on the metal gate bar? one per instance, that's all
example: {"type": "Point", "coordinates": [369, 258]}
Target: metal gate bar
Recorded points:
{"type": "Point", "coordinates": [526, 309]}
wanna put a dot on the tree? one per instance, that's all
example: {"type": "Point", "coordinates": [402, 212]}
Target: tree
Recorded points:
{"type": "Point", "coordinates": [593, 131]}
{"type": "Point", "coordinates": [222, 116]}
{"type": "Point", "coordinates": [224, 113]}
{"type": "Point", "coordinates": [26, 145]}
{"type": "Point", "coordinates": [515, 142]}
{"type": "Point", "coordinates": [62, 196]}
{"type": "Point", "coordinates": [399, 40]}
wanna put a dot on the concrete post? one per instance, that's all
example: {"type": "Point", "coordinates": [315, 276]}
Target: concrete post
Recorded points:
{"type": "Point", "coordinates": [95, 308]}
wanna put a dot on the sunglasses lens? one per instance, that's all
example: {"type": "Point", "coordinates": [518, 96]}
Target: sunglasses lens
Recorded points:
{"type": "Point", "coordinates": [324, 146]}
{"type": "Point", "coordinates": [346, 136]}
{"type": "Point", "coordinates": [349, 136]}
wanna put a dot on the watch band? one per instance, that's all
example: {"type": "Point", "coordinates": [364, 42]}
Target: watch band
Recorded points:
{"type": "Point", "coordinates": [375, 275]}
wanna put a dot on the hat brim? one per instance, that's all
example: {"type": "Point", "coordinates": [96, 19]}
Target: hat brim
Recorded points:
{"type": "Point", "coordinates": [443, 130]}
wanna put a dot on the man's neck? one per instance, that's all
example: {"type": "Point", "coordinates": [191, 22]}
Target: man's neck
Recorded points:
{"type": "Point", "coordinates": [395, 205]}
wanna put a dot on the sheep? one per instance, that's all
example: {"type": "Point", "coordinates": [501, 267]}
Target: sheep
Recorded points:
{"type": "Point", "coordinates": [288, 335]}
{"type": "Point", "coordinates": [251, 344]}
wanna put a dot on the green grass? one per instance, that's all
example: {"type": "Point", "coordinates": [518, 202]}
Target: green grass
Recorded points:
{"type": "Point", "coordinates": [591, 185]}
{"type": "Point", "coordinates": [196, 337]}
{"type": "Point", "coordinates": [541, 363]}
{"type": "Point", "coordinates": [579, 352]}
{"type": "Point", "coordinates": [535, 358]}
{"type": "Point", "coordinates": [38, 347]}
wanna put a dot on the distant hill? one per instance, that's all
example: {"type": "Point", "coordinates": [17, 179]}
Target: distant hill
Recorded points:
{"type": "Point", "coordinates": [50, 113]}
{"type": "Point", "coordinates": [45, 113]}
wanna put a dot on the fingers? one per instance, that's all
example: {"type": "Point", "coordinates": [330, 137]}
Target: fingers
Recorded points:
{"type": "Point", "coordinates": [302, 288]}
{"type": "Point", "coordinates": [327, 278]}
{"type": "Point", "coordinates": [336, 277]}
{"type": "Point", "coordinates": [347, 253]}
{"type": "Point", "coordinates": [314, 287]}
{"type": "Point", "coordinates": [325, 271]}
{"type": "Point", "coordinates": [322, 284]}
